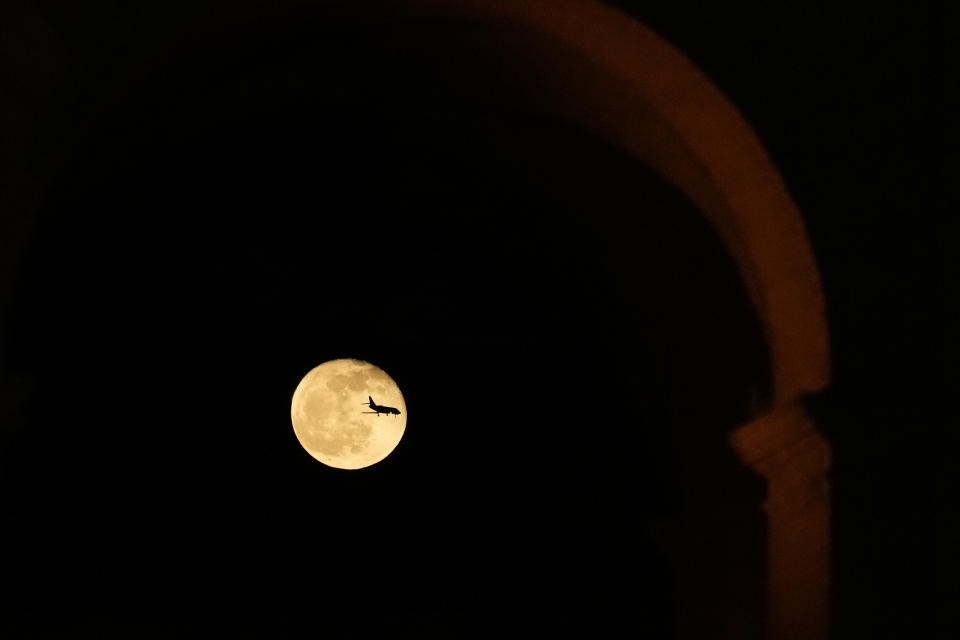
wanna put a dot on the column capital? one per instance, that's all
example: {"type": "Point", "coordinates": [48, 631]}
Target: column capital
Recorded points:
{"type": "Point", "coordinates": [783, 445]}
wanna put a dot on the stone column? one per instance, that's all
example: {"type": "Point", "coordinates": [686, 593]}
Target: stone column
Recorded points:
{"type": "Point", "coordinates": [786, 448]}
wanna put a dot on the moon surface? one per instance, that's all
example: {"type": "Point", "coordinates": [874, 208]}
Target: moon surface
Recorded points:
{"type": "Point", "coordinates": [328, 416]}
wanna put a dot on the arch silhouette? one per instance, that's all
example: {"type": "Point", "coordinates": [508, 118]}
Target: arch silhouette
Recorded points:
{"type": "Point", "coordinates": [596, 67]}
{"type": "Point", "coordinates": [670, 115]}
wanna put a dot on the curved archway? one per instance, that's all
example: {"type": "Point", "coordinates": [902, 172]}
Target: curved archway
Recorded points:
{"type": "Point", "coordinates": [669, 114]}
{"type": "Point", "coordinates": [594, 66]}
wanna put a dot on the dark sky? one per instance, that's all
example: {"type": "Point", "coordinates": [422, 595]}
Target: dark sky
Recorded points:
{"type": "Point", "coordinates": [222, 213]}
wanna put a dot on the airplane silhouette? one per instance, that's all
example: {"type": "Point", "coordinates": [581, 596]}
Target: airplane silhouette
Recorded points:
{"type": "Point", "coordinates": [378, 409]}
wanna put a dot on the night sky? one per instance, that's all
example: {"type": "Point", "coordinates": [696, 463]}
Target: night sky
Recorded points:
{"type": "Point", "coordinates": [228, 204]}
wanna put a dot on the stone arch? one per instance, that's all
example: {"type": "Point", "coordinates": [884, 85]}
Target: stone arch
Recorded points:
{"type": "Point", "coordinates": [670, 115]}
{"type": "Point", "coordinates": [592, 65]}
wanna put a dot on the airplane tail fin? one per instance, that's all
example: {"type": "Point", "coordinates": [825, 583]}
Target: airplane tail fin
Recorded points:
{"type": "Point", "coordinates": [370, 398]}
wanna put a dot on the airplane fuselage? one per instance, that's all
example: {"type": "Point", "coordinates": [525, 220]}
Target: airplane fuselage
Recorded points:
{"type": "Point", "coordinates": [379, 408]}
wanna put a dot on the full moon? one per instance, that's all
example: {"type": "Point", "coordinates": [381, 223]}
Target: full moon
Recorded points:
{"type": "Point", "coordinates": [334, 421]}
